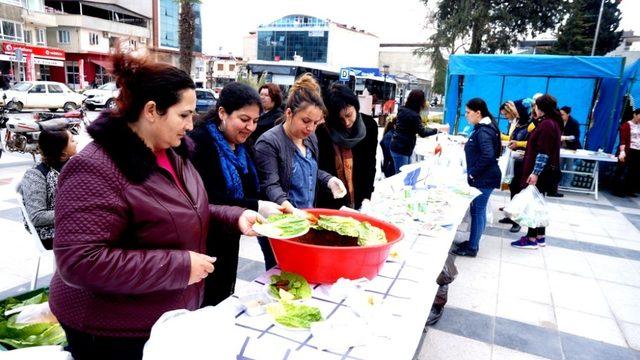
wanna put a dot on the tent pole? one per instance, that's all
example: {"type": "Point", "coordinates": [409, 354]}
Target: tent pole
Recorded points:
{"type": "Point", "coordinates": [595, 36]}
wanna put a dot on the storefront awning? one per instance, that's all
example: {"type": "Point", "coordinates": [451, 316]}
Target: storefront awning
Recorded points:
{"type": "Point", "coordinates": [104, 63]}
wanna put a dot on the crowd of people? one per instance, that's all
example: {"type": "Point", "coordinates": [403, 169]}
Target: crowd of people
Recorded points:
{"type": "Point", "coordinates": [148, 216]}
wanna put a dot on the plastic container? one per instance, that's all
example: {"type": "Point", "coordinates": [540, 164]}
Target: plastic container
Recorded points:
{"type": "Point", "coordinates": [255, 304]}
{"type": "Point", "coordinates": [326, 264]}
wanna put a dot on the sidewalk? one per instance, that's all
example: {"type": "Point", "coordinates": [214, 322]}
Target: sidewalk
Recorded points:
{"type": "Point", "coordinates": [575, 299]}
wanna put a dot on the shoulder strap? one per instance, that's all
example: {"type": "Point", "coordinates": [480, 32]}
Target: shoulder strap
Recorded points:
{"type": "Point", "coordinates": [44, 169]}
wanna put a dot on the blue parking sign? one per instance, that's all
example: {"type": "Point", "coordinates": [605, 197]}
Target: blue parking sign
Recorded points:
{"type": "Point", "coordinates": [344, 74]}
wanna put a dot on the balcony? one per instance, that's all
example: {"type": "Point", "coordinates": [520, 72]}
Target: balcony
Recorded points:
{"type": "Point", "coordinates": [38, 18]}
{"type": "Point", "coordinates": [88, 22]}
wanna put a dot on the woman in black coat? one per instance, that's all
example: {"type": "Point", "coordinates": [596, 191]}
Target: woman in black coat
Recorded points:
{"type": "Point", "coordinates": [347, 144]}
{"type": "Point", "coordinates": [229, 176]}
{"type": "Point", "coordinates": [271, 100]}
{"type": "Point", "coordinates": [408, 125]}
{"type": "Point", "coordinates": [481, 152]}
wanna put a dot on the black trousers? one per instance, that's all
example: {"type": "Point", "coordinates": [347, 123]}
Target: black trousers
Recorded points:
{"type": "Point", "coordinates": [85, 346]}
{"type": "Point", "coordinates": [516, 185]}
{"type": "Point", "coordinates": [269, 258]}
{"type": "Point", "coordinates": [628, 173]}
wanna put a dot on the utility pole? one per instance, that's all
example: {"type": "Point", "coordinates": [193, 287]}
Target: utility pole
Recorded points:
{"type": "Point", "coordinates": [595, 37]}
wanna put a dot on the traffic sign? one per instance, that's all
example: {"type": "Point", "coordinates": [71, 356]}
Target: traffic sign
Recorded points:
{"type": "Point", "coordinates": [344, 74]}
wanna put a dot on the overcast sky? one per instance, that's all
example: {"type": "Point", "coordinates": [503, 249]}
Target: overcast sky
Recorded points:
{"type": "Point", "coordinates": [225, 23]}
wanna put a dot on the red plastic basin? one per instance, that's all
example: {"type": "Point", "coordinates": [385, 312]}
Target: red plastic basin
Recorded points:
{"type": "Point", "coordinates": [326, 264]}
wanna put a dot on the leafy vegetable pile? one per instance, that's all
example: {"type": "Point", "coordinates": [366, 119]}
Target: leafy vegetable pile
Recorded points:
{"type": "Point", "coordinates": [366, 233]}
{"type": "Point", "coordinates": [283, 226]}
{"type": "Point", "coordinates": [27, 335]}
{"type": "Point", "coordinates": [296, 316]}
{"type": "Point", "coordinates": [289, 286]}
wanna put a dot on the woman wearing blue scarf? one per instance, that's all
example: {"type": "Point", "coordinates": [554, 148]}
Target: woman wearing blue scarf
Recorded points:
{"type": "Point", "coordinates": [229, 177]}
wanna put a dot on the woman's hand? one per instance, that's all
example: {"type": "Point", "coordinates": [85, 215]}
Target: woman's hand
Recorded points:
{"type": "Point", "coordinates": [246, 221]}
{"type": "Point", "coordinates": [532, 179]}
{"type": "Point", "coordinates": [512, 145]}
{"type": "Point", "coordinates": [622, 156]}
{"type": "Point", "coordinates": [201, 266]}
{"type": "Point", "coordinates": [337, 188]}
{"type": "Point", "coordinates": [268, 208]}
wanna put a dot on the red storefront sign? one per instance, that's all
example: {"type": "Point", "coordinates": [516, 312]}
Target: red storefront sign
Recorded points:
{"type": "Point", "coordinates": [9, 48]}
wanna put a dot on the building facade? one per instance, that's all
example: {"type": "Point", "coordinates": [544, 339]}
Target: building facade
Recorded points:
{"type": "Point", "coordinates": [88, 31]}
{"type": "Point", "coordinates": [25, 52]}
{"type": "Point", "coordinates": [310, 39]}
{"type": "Point", "coordinates": [166, 38]}
{"type": "Point", "coordinates": [223, 69]}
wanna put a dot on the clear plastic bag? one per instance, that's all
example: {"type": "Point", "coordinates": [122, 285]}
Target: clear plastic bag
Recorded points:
{"type": "Point", "coordinates": [528, 208]}
{"type": "Point", "coordinates": [505, 162]}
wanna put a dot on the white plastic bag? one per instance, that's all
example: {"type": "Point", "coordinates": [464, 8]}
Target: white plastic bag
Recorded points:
{"type": "Point", "coordinates": [528, 208]}
{"type": "Point", "coordinates": [33, 314]}
{"type": "Point", "coordinates": [505, 162]}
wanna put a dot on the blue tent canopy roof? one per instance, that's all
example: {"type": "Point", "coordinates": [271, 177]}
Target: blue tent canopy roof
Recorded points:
{"type": "Point", "coordinates": [578, 81]}
{"type": "Point", "coordinates": [537, 65]}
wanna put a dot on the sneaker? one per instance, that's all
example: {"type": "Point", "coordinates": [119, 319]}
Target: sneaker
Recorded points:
{"type": "Point", "coordinates": [505, 221]}
{"type": "Point", "coordinates": [525, 243]}
{"type": "Point", "coordinates": [465, 251]}
{"type": "Point", "coordinates": [541, 242]}
{"type": "Point", "coordinates": [515, 228]}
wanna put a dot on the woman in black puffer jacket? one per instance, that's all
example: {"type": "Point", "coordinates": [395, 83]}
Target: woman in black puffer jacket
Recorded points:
{"type": "Point", "coordinates": [481, 152]}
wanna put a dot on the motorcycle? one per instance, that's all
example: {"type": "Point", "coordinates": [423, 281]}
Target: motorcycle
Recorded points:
{"type": "Point", "coordinates": [22, 134]}
{"type": "Point", "coordinates": [80, 113]}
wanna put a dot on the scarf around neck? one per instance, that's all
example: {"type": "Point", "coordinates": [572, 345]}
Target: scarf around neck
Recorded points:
{"type": "Point", "coordinates": [233, 163]}
{"type": "Point", "coordinates": [348, 138]}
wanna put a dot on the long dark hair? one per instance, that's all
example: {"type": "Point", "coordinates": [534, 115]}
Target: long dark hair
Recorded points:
{"type": "Point", "coordinates": [477, 104]}
{"type": "Point", "coordinates": [416, 100]}
{"type": "Point", "coordinates": [141, 80]}
{"type": "Point", "coordinates": [549, 106]}
{"type": "Point", "coordinates": [52, 144]}
{"type": "Point", "coordinates": [233, 96]}
{"type": "Point", "coordinates": [337, 98]}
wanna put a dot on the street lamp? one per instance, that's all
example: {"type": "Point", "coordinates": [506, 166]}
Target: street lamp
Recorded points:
{"type": "Point", "coordinates": [385, 72]}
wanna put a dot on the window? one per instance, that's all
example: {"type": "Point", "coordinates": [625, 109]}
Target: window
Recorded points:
{"type": "Point", "coordinates": [28, 38]}
{"type": "Point", "coordinates": [35, 5]}
{"type": "Point", "coordinates": [45, 73]}
{"type": "Point", "coordinates": [64, 37]}
{"type": "Point", "coordinates": [55, 88]}
{"type": "Point", "coordinates": [38, 89]}
{"type": "Point", "coordinates": [220, 67]}
{"type": "Point", "coordinates": [232, 67]}
{"type": "Point", "coordinates": [93, 39]}
{"type": "Point", "coordinates": [41, 38]}
{"type": "Point", "coordinates": [73, 73]}
{"type": "Point", "coordinates": [11, 31]}
{"type": "Point", "coordinates": [310, 45]}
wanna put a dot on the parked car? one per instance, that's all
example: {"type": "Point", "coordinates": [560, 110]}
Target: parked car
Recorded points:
{"type": "Point", "coordinates": [42, 95]}
{"type": "Point", "coordinates": [205, 99]}
{"type": "Point", "coordinates": [104, 96]}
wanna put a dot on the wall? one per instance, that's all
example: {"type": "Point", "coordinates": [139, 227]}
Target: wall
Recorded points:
{"type": "Point", "coordinates": [11, 12]}
{"type": "Point", "coordinates": [72, 46]}
{"type": "Point", "coordinates": [250, 47]}
{"type": "Point", "coordinates": [341, 48]}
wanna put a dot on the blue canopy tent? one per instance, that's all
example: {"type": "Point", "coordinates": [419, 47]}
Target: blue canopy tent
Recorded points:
{"type": "Point", "coordinates": [581, 82]}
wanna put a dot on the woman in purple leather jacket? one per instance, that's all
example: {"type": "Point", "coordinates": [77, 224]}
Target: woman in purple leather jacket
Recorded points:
{"type": "Point", "coordinates": [132, 217]}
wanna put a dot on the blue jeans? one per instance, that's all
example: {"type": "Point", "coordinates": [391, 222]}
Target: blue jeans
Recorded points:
{"type": "Point", "coordinates": [399, 160]}
{"type": "Point", "coordinates": [478, 212]}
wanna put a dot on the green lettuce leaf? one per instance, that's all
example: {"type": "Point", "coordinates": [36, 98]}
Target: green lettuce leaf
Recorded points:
{"type": "Point", "coordinates": [299, 316]}
{"type": "Point", "coordinates": [297, 286]}
{"type": "Point", "coordinates": [366, 233]}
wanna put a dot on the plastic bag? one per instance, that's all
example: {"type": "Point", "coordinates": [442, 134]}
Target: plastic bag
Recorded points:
{"type": "Point", "coordinates": [528, 208]}
{"type": "Point", "coordinates": [505, 162]}
{"type": "Point", "coordinates": [446, 277]}
{"type": "Point", "coordinates": [35, 314]}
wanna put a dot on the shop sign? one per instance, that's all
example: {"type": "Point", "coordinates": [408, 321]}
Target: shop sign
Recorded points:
{"type": "Point", "coordinates": [39, 51]}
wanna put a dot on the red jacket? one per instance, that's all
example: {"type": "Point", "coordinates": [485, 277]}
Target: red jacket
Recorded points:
{"type": "Point", "coordinates": [625, 136]}
{"type": "Point", "coordinates": [123, 231]}
{"type": "Point", "coordinates": [545, 139]}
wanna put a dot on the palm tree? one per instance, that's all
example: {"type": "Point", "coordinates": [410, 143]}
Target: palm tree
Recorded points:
{"type": "Point", "coordinates": [187, 32]}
